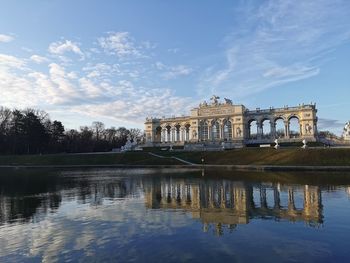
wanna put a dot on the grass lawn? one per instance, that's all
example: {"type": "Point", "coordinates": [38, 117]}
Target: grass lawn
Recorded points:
{"type": "Point", "coordinates": [129, 158]}
{"type": "Point", "coordinates": [256, 156]}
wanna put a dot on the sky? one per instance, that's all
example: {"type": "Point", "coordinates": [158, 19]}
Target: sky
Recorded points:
{"type": "Point", "coordinates": [121, 61]}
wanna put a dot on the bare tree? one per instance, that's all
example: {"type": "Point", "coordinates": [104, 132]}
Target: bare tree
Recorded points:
{"type": "Point", "coordinates": [135, 133]}
{"type": "Point", "coordinates": [98, 129]}
{"type": "Point", "coordinates": [5, 119]}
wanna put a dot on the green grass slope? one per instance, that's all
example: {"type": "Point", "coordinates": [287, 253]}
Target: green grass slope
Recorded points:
{"type": "Point", "coordinates": [129, 158]}
{"type": "Point", "coordinates": [291, 156]}
{"type": "Point", "coordinates": [322, 157]}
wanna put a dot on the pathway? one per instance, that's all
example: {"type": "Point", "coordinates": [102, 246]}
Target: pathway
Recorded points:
{"type": "Point", "coordinates": [173, 157]}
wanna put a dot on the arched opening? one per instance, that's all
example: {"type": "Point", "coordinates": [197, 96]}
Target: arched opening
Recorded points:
{"type": "Point", "coordinates": [168, 132]}
{"type": "Point", "coordinates": [204, 130]}
{"type": "Point", "coordinates": [177, 132]}
{"type": "Point", "coordinates": [227, 130]}
{"type": "Point", "coordinates": [187, 132]}
{"type": "Point", "coordinates": [266, 128]}
{"type": "Point", "coordinates": [158, 134]}
{"type": "Point", "coordinates": [253, 129]}
{"type": "Point", "coordinates": [279, 127]}
{"type": "Point", "coordinates": [294, 127]}
{"type": "Point", "coordinates": [215, 130]}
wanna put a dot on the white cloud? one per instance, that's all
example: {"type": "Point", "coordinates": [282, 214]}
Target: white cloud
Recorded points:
{"type": "Point", "coordinates": [102, 70]}
{"type": "Point", "coordinates": [160, 66]}
{"type": "Point", "coordinates": [132, 103]}
{"type": "Point", "coordinates": [173, 50]}
{"type": "Point", "coordinates": [120, 44]}
{"type": "Point", "coordinates": [59, 77]}
{"type": "Point", "coordinates": [7, 61]}
{"type": "Point", "coordinates": [91, 89]}
{"type": "Point", "coordinates": [94, 91]}
{"type": "Point", "coordinates": [38, 59]}
{"type": "Point", "coordinates": [6, 38]}
{"type": "Point", "coordinates": [60, 48]}
{"type": "Point", "coordinates": [15, 89]}
{"type": "Point", "coordinates": [171, 72]}
{"type": "Point", "coordinates": [180, 70]}
{"type": "Point", "coordinates": [277, 42]}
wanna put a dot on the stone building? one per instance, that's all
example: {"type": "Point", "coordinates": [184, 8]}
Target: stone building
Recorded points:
{"type": "Point", "coordinates": [346, 132]}
{"type": "Point", "coordinates": [234, 125]}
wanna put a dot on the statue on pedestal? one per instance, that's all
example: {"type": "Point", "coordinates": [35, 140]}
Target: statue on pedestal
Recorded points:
{"type": "Point", "coordinates": [214, 99]}
{"type": "Point", "coordinates": [346, 132]}
{"type": "Point", "coordinates": [304, 144]}
{"type": "Point", "coordinates": [277, 146]}
{"type": "Point", "coordinates": [228, 101]}
{"type": "Point", "coordinates": [238, 132]}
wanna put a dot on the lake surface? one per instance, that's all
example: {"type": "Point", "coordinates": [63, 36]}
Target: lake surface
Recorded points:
{"type": "Point", "coordinates": [113, 215]}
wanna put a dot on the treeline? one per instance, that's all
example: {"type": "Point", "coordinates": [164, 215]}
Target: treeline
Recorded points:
{"type": "Point", "coordinates": [31, 131]}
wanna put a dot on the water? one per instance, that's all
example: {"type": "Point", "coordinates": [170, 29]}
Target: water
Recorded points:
{"type": "Point", "coordinates": [173, 216]}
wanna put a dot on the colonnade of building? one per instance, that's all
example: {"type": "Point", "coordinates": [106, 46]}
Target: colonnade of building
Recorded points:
{"type": "Point", "coordinates": [175, 133]}
{"type": "Point", "coordinates": [303, 129]}
{"type": "Point", "coordinates": [225, 130]}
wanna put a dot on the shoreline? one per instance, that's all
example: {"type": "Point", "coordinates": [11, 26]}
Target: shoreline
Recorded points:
{"type": "Point", "coordinates": [261, 168]}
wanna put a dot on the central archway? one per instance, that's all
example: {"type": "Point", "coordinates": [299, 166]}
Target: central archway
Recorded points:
{"type": "Point", "coordinates": [215, 130]}
{"type": "Point", "coordinates": [294, 127]}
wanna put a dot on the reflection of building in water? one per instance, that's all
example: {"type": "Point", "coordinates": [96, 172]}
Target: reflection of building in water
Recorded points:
{"type": "Point", "coordinates": [231, 203]}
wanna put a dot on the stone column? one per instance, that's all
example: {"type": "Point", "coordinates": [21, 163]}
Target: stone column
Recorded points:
{"type": "Point", "coordinates": [272, 129]}
{"type": "Point", "coordinates": [315, 128]}
{"type": "Point", "coordinates": [177, 134]}
{"type": "Point", "coordinates": [209, 132]}
{"type": "Point", "coordinates": [260, 130]}
{"type": "Point", "coordinates": [286, 129]}
{"type": "Point", "coordinates": [233, 130]}
{"type": "Point", "coordinates": [222, 137]}
{"type": "Point", "coordinates": [162, 135]}
{"type": "Point", "coordinates": [247, 131]}
{"type": "Point", "coordinates": [165, 135]}
{"type": "Point", "coordinates": [182, 137]}
{"type": "Point", "coordinates": [173, 134]}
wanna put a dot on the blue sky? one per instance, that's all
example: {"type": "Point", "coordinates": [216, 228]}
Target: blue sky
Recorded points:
{"type": "Point", "coordinates": [120, 61]}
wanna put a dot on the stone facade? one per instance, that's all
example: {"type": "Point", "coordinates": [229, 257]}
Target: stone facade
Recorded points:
{"type": "Point", "coordinates": [218, 122]}
{"type": "Point", "coordinates": [346, 132]}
